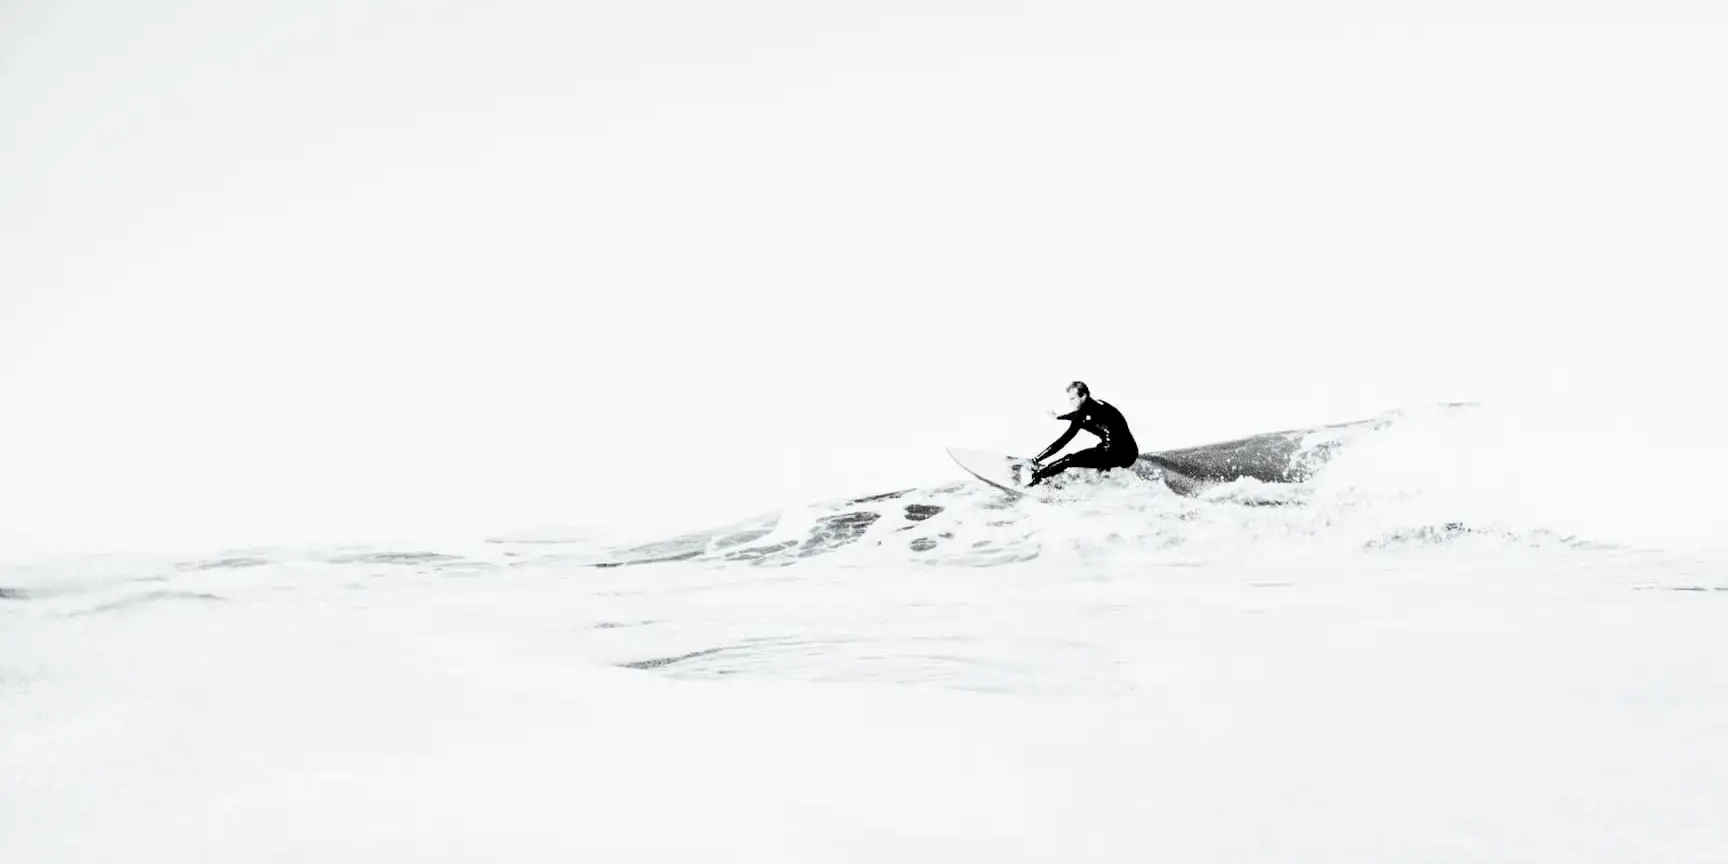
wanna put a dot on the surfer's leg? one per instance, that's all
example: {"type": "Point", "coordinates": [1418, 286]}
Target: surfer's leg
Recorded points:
{"type": "Point", "coordinates": [1092, 457]}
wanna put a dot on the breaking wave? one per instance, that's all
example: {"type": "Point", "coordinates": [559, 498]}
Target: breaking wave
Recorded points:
{"type": "Point", "coordinates": [1418, 481]}
{"type": "Point", "coordinates": [1436, 476]}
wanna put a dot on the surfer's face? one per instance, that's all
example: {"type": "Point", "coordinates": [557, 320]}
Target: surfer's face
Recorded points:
{"type": "Point", "coordinates": [1073, 398]}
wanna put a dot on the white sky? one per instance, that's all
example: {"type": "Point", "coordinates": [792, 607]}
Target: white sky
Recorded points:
{"type": "Point", "coordinates": [328, 270]}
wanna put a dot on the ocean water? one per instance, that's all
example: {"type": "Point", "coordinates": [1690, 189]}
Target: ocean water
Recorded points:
{"type": "Point", "coordinates": [515, 432]}
{"type": "Point", "coordinates": [1469, 633]}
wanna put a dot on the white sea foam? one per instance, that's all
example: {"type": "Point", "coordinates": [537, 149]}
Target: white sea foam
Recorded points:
{"type": "Point", "coordinates": [1427, 703]}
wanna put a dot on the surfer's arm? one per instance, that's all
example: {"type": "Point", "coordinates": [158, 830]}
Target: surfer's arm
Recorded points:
{"type": "Point", "coordinates": [1073, 428]}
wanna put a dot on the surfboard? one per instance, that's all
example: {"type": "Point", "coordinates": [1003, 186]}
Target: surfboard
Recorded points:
{"type": "Point", "coordinates": [999, 470]}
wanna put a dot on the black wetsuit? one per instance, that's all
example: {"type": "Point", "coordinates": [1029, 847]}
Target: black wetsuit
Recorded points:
{"type": "Point", "coordinates": [1116, 447]}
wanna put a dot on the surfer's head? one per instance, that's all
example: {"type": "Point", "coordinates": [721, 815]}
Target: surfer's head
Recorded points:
{"type": "Point", "coordinates": [1078, 392]}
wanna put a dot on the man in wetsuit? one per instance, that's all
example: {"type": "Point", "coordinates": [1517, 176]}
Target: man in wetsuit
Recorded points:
{"type": "Point", "coordinates": [1116, 447]}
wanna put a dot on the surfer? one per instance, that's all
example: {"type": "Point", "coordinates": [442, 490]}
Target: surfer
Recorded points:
{"type": "Point", "coordinates": [1116, 447]}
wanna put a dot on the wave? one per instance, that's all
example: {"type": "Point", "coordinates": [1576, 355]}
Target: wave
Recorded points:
{"type": "Point", "coordinates": [1443, 475]}
{"type": "Point", "coordinates": [1588, 480]}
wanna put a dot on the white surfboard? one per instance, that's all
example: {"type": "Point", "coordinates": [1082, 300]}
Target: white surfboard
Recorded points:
{"type": "Point", "coordinates": [1004, 472]}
